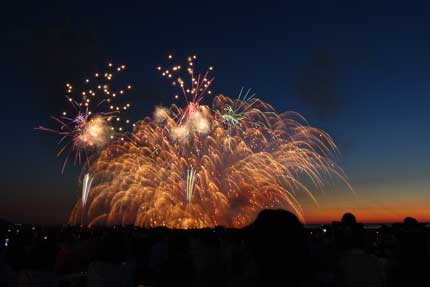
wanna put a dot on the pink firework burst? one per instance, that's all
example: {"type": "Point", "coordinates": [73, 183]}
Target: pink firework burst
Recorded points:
{"type": "Point", "coordinates": [93, 116]}
{"type": "Point", "coordinates": [193, 89]}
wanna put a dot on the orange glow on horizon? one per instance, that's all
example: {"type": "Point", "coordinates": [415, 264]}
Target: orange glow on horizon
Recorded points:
{"type": "Point", "coordinates": [372, 213]}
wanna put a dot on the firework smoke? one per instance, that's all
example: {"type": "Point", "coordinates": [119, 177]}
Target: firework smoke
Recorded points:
{"type": "Point", "coordinates": [161, 114]}
{"type": "Point", "coordinates": [96, 133]}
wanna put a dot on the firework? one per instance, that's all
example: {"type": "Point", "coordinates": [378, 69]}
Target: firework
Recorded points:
{"type": "Point", "coordinates": [248, 157]}
{"type": "Point", "coordinates": [233, 114]}
{"type": "Point", "coordinates": [93, 118]}
{"type": "Point", "coordinates": [161, 114]}
{"type": "Point", "coordinates": [198, 122]}
{"type": "Point", "coordinates": [86, 186]}
{"type": "Point", "coordinates": [270, 160]}
{"type": "Point", "coordinates": [192, 84]}
{"type": "Point", "coordinates": [191, 179]}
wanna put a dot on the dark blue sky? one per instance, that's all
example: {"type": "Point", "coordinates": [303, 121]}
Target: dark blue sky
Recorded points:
{"type": "Point", "coordinates": [360, 71]}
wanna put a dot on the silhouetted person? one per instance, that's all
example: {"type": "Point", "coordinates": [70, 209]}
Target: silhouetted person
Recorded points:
{"type": "Point", "coordinates": [356, 267]}
{"type": "Point", "coordinates": [178, 268]}
{"type": "Point", "coordinates": [66, 258]}
{"type": "Point", "coordinates": [348, 233]}
{"type": "Point", "coordinates": [279, 248]}
{"type": "Point", "coordinates": [410, 266]}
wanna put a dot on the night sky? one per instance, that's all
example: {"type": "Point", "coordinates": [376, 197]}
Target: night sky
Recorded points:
{"type": "Point", "coordinates": [360, 71]}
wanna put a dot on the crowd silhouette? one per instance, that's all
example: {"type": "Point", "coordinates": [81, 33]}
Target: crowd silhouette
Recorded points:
{"type": "Point", "coordinates": [275, 250]}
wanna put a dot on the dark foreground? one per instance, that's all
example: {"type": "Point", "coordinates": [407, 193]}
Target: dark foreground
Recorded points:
{"type": "Point", "coordinates": [274, 251]}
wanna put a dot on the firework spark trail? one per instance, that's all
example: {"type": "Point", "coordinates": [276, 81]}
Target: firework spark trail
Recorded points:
{"type": "Point", "coordinates": [93, 118]}
{"type": "Point", "coordinates": [86, 186]}
{"type": "Point", "coordinates": [191, 179]}
{"type": "Point", "coordinates": [274, 161]}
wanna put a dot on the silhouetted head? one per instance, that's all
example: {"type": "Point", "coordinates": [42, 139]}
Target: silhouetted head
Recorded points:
{"type": "Point", "coordinates": [410, 221]}
{"type": "Point", "coordinates": [278, 236]}
{"type": "Point", "coordinates": [349, 234]}
{"type": "Point", "coordinates": [276, 221]}
{"type": "Point", "coordinates": [277, 229]}
{"type": "Point", "coordinates": [348, 219]}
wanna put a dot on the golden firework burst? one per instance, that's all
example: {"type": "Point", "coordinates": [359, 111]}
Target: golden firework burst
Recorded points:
{"type": "Point", "coordinates": [269, 160]}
